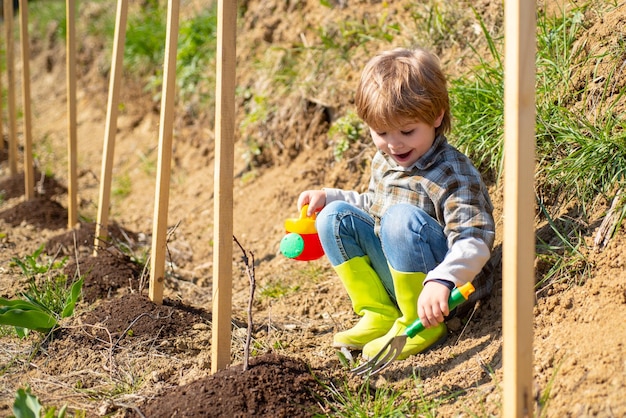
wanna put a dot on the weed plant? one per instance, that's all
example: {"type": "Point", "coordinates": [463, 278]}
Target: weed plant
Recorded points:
{"type": "Point", "coordinates": [364, 401]}
{"type": "Point", "coordinates": [45, 301]}
{"type": "Point", "coordinates": [27, 405]}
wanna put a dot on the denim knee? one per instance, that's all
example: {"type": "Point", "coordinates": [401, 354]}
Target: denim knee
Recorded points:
{"type": "Point", "coordinates": [402, 223]}
{"type": "Point", "coordinates": [327, 217]}
{"type": "Point", "coordinates": [411, 239]}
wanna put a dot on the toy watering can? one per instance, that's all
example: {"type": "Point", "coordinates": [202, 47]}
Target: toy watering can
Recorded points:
{"type": "Point", "coordinates": [301, 242]}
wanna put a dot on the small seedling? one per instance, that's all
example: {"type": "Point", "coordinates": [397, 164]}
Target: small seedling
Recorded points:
{"type": "Point", "coordinates": [346, 358]}
{"type": "Point", "coordinates": [43, 304]}
{"type": "Point", "coordinates": [32, 314]}
{"type": "Point", "coordinates": [26, 405]}
{"type": "Point", "coordinates": [32, 265]}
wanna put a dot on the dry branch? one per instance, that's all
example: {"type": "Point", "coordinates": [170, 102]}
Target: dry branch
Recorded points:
{"type": "Point", "coordinates": [611, 221]}
{"type": "Point", "coordinates": [249, 264]}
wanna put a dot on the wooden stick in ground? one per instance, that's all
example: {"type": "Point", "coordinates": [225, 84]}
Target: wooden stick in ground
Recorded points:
{"type": "Point", "coordinates": [29, 168]}
{"type": "Point", "coordinates": [519, 208]}
{"type": "Point", "coordinates": [10, 63]}
{"type": "Point", "coordinates": [161, 201]}
{"type": "Point", "coordinates": [1, 112]}
{"type": "Point", "coordinates": [72, 182]}
{"type": "Point", "coordinates": [223, 194]}
{"type": "Point", "coordinates": [102, 218]}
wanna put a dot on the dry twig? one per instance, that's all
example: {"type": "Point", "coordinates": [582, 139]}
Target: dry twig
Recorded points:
{"type": "Point", "coordinates": [249, 264]}
{"type": "Point", "coordinates": [611, 222]}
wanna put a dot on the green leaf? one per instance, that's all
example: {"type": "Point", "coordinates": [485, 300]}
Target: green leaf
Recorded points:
{"type": "Point", "coordinates": [21, 332]}
{"type": "Point", "coordinates": [26, 405]}
{"type": "Point", "coordinates": [17, 304]}
{"type": "Point", "coordinates": [72, 298]}
{"type": "Point", "coordinates": [31, 319]}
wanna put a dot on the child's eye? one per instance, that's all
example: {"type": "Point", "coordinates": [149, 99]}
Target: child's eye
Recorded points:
{"type": "Point", "coordinates": [407, 133]}
{"type": "Point", "coordinates": [381, 133]}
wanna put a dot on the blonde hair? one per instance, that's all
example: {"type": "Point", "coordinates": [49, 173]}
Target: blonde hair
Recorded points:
{"type": "Point", "coordinates": [401, 86]}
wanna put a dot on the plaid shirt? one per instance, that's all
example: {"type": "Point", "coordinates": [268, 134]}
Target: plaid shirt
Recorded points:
{"type": "Point", "coordinates": [445, 184]}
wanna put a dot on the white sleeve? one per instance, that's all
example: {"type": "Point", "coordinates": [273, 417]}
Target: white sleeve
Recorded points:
{"type": "Point", "coordinates": [462, 263]}
{"type": "Point", "coordinates": [360, 200]}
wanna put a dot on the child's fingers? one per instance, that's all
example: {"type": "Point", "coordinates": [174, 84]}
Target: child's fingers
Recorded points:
{"type": "Point", "coordinates": [316, 199]}
{"type": "Point", "coordinates": [303, 199]}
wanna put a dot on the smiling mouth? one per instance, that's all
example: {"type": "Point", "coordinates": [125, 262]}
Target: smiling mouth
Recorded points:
{"type": "Point", "coordinates": [402, 156]}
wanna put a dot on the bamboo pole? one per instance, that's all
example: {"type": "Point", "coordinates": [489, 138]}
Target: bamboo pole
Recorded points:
{"type": "Point", "coordinates": [104, 200]}
{"type": "Point", "coordinates": [70, 59]}
{"type": "Point", "coordinates": [519, 239]}
{"type": "Point", "coordinates": [29, 168]}
{"type": "Point", "coordinates": [10, 62]}
{"type": "Point", "coordinates": [224, 166]}
{"type": "Point", "coordinates": [1, 112]}
{"type": "Point", "coordinates": [159, 227]}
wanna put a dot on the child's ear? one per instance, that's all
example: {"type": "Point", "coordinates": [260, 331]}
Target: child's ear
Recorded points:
{"type": "Point", "coordinates": [439, 119]}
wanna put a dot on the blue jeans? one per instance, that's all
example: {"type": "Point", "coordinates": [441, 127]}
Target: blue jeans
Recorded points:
{"type": "Point", "coordinates": [410, 240]}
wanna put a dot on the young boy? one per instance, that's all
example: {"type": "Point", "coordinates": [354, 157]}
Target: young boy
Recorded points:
{"type": "Point", "coordinates": [424, 226]}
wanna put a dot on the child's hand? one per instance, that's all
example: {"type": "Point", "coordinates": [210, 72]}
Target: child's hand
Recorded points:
{"type": "Point", "coordinates": [432, 304]}
{"type": "Point", "coordinates": [316, 199]}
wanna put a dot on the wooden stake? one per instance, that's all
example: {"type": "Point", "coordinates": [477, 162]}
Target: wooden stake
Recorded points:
{"type": "Point", "coordinates": [72, 188]}
{"type": "Point", "coordinates": [1, 112]}
{"type": "Point", "coordinates": [102, 221]}
{"type": "Point", "coordinates": [29, 168]}
{"type": "Point", "coordinates": [223, 194]}
{"type": "Point", "coordinates": [12, 113]}
{"type": "Point", "coordinates": [159, 227]}
{"type": "Point", "coordinates": [519, 209]}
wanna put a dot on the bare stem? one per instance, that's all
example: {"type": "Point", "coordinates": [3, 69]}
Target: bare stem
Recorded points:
{"type": "Point", "coordinates": [249, 263]}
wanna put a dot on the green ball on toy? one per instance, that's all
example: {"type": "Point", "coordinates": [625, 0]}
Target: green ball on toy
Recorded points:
{"type": "Point", "coordinates": [292, 245]}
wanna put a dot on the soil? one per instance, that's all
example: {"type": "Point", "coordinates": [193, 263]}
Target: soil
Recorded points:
{"type": "Point", "coordinates": [122, 355]}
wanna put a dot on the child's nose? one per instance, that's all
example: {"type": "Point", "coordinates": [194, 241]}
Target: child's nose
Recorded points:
{"type": "Point", "coordinates": [393, 141]}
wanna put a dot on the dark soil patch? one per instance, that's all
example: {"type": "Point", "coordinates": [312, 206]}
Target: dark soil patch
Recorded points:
{"type": "Point", "coordinates": [105, 274]}
{"type": "Point", "coordinates": [83, 237]}
{"type": "Point", "coordinates": [273, 386]}
{"type": "Point", "coordinates": [39, 212]}
{"type": "Point", "coordinates": [14, 186]}
{"type": "Point", "coordinates": [134, 317]}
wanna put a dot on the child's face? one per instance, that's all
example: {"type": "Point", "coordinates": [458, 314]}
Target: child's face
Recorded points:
{"type": "Point", "coordinates": [407, 144]}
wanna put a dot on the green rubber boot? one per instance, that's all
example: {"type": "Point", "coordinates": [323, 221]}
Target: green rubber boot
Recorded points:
{"type": "Point", "coordinates": [408, 287]}
{"type": "Point", "coordinates": [369, 300]}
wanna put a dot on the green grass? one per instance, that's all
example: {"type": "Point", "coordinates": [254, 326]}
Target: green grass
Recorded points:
{"type": "Point", "coordinates": [345, 132]}
{"type": "Point", "coordinates": [122, 186]}
{"type": "Point", "coordinates": [50, 295]}
{"type": "Point", "coordinates": [477, 101]}
{"type": "Point", "coordinates": [44, 15]}
{"type": "Point", "coordinates": [581, 150]}
{"type": "Point", "coordinates": [580, 137]}
{"type": "Point", "coordinates": [276, 289]}
{"type": "Point", "coordinates": [581, 154]}
{"type": "Point", "coordinates": [366, 399]}
{"type": "Point", "coordinates": [195, 58]}
{"type": "Point", "coordinates": [363, 401]}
